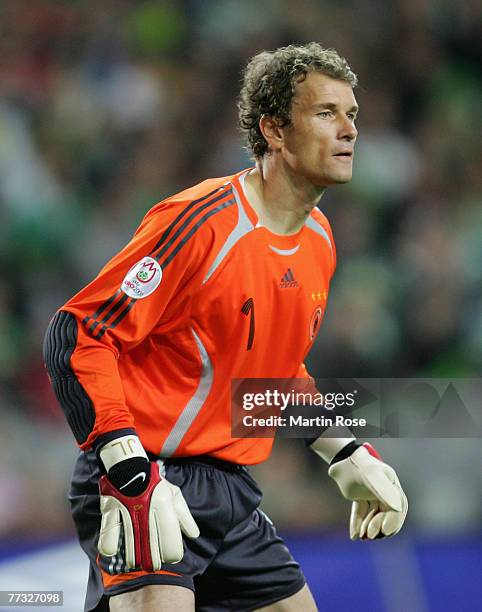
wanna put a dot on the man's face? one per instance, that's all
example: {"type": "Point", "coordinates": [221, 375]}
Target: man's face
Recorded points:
{"type": "Point", "coordinates": [318, 144]}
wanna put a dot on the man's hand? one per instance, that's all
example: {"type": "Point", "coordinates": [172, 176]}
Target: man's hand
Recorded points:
{"type": "Point", "coordinates": [151, 510]}
{"type": "Point", "coordinates": [379, 504]}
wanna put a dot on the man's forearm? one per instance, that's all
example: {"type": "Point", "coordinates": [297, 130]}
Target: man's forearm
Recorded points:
{"type": "Point", "coordinates": [85, 378]}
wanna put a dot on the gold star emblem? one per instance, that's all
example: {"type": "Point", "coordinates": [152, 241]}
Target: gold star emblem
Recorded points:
{"type": "Point", "coordinates": [318, 295]}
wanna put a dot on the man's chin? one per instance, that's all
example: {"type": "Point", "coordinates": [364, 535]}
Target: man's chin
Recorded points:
{"type": "Point", "coordinates": [338, 179]}
{"type": "Point", "coordinates": [342, 180]}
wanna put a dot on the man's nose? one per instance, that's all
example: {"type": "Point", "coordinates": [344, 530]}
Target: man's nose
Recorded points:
{"type": "Point", "coordinates": [348, 130]}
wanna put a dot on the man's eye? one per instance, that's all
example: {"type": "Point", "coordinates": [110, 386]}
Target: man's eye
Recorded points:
{"type": "Point", "coordinates": [324, 114]}
{"type": "Point", "coordinates": [351, 116]}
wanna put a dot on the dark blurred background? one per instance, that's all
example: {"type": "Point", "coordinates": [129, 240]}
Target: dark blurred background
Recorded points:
{"type": "Point", "coordinates": [108, 107]}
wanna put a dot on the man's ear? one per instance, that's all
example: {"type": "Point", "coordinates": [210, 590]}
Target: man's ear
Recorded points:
{"type": "Point", "coordinates": [272, 131]}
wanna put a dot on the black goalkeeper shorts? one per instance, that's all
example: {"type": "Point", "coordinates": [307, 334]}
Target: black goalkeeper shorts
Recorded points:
{"type": "Point", "coordinates": [237, 563]}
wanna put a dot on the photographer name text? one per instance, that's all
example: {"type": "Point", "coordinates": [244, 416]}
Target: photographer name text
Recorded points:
{"type": "Point", "coordinates": [299, 421]}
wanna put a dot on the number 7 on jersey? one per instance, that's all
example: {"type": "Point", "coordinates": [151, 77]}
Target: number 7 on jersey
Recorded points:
{"type": "Point", "coordinates": [248, 309]}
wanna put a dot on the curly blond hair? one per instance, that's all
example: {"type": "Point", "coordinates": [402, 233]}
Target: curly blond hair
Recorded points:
{"type": "Point", "coordinates": [269, 82]}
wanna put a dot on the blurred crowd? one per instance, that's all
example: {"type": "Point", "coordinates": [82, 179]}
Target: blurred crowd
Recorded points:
{"type": "Point", "coordinates": [108, 107]}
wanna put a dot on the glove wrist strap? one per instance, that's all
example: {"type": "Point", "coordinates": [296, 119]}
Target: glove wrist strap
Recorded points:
{"type": "Point", "coordinates": [328, 447]}
{"type": "Point", "coordinates": [345, 452]}
{"type": "Point", "coordinates": [120, 449]}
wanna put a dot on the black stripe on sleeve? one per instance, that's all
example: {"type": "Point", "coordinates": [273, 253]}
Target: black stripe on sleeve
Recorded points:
{"type": "Point", "coordinates": [59, 344]}
{"type": "Point", "coordinates": [111, 312]}
{"type": "Point", "coordinates": [116, 321]}
{"type": "Point", "coordinates": [165, 263]}
{"type": "Point", "coordinates": [94, 317]}
{"type": "Point", "coordinates": [101, 309]}
{"type": "Point", "coordinates": [91, 327]}
{"type": "Point", "coordinates": [194, 214]}
{"type": "Point", "coordinates": [179, 217]}
{"type": "Point", "coordinates": [193, 230]}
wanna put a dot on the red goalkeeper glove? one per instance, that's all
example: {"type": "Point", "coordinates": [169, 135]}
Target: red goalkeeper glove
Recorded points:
{"type": "Point", "coordinates": [151, 511]}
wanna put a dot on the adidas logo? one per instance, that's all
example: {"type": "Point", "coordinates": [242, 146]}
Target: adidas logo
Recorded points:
{"type": "Point", "coordinates": [288, 280]}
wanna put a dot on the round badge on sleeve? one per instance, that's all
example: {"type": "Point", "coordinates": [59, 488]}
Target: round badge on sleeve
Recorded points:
{"type": "Point", "coordinates": [142, 279]}
{"type": "Point", "coordinates": [315, 322]}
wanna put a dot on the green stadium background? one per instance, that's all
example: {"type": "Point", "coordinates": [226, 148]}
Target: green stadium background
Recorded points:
{"type": "Point", "coordinates": [108, 107]}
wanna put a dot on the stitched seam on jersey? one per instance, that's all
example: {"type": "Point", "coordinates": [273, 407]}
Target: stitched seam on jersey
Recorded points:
{"type": "Point", "coordinates": [231, 523]}
{"type": "Point", "coordinates": [193, 215]}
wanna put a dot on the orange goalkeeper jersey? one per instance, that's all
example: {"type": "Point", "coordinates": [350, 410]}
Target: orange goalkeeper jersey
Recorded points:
{"type": "Point", "coordinates": [201, 295]}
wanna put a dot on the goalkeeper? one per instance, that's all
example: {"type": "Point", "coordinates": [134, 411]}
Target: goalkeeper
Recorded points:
{"type": "Point", "coordinates": [227, 279]}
